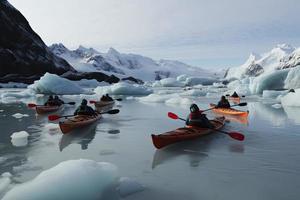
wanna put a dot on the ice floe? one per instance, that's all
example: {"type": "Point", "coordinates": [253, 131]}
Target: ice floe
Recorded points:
{"type": "Point", "coordinates": [128, 186]}
{"type": "Point", "coordinates": [19, 115]}
{"type": "Point", "coordinates": [53, 84]}
{"type": "Point", "coordinates": [291, 99]}
{"type": "Point", "coordinates": [73, 179]}
{"type": "Point", "coordinates": [123, 88]}
{"type": "Point", "coordinates": [19, 139]}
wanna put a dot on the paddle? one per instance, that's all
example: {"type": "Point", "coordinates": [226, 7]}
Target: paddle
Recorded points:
{"type": "Point", "coordinates": [32, 105]}
{"type": "Point", "coordinates": [234, 135]}
{"type": "Point", "coordinates": [56, 117]}
{"type": "Point", "coordinates": [93, 101]}
{"type": "Point", "coordinates": [240, 104]}
{"type": "Point", "coordinates": [228, 95]}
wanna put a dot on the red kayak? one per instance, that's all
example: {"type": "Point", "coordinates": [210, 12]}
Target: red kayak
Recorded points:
{"type": "Point", "coordinates": [185, 133]}
{"type": "Point", "coordinates": [46, 109]}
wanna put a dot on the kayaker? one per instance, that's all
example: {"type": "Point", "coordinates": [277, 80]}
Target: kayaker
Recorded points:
{"type": "Point", "coordinates": [58, 101]}
{"type": "Point", "coordinates": [197, 118]}
{"type": "Point", "coordinates": [223, 103]}
{"type": "Point", "coordinates": [109, 98]}
{"type": "Point", "coordinates": [50, 101]}
{"type": "Point", "coordinates": [235, 94]}
{"type": "Point", "coordinates": [84, 109]}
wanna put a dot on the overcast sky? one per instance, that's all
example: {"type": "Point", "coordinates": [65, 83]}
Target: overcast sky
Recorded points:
{"type": "Point", "coordinates": [206, 33]}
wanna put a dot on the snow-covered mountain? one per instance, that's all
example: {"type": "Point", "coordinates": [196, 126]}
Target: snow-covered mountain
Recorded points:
{"type": "Point", "coordinates": [280, 57]}
{"type": "Point", "coordinates": [120, 64]}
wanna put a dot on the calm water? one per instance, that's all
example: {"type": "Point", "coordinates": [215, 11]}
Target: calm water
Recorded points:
{"type": "Point", "coordinates": [265, 166]}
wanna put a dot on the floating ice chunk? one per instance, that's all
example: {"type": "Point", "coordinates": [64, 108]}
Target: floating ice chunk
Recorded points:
{"type": "Point", "coordinates": [273, 94]}
{"type": "Point", "coordinates": [170, 82]}
{"type": "Point", "coordinates": [19, 139]}
{"type": "Point", "coordinates": [293, 78]}
{"type": "Point", "coordinates": [129, 186]}
{"type": "Point", "coordinates": [73, 179]}
{"type": "Point", "coordinates": [5, 181]}
{"type": "Point", "coordinates": [1, 111]}
{"type": "Point", "coordinates": [291, 99]}
{"type": "Point", "coordinates": [182, 78]}
{"type": "Point", "coordinates": [19, 115]}
{"type": "Point", "coordinates": [190, 81]}
{"type": "Point", "coordinates": [179, 101]}
{"type": "Point", "coordinates": [154, 98]}
{"type": "Point", "coordinates": [123, 88]}
{"type": "Point", "coordinates": [194, 92]}
{"type": "Point", "coordinates": [277, 106]}
{"type": "Point", "coordinates": [270, 81]}
{"type": "Point", "coordinates": [90, 83]}
{"type": "Point", "coordinates": [53, 84]}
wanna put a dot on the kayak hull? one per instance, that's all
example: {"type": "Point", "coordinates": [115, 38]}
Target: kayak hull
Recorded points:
{"type": "Point", "coordinates": [46, 109]}
{"type": "Point", "coordinates": [77, 121]}
{"type": "Point", "coordinates": [104, 105]}
{"type": "Point", "coordinates": [185, 133]}
{"type": "Point", "coordinates": [229, 111]}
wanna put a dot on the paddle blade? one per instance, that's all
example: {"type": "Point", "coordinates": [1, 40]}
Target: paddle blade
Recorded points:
{"type": "Point", "coordinates": [71, 103]}
{"type": "Point", "coordinates": [115, 111]}
{"type": "Point", "coordinates": [119, 99]}
{"type": "Point", "coordinates": [227, 95]}
{"type": "Point", "coordinates": [172, 115]}
{"type": "Point", "coordinates": [93, 102]}
{"type": "Point", "coordinates": [31, 105]}
{"type": "Point", "coordinates": [237, 136]}
{"type": "Point", "coordinates": [53, 117]}
{"type": "Point", "coordinates": [242, 104]}
{"type": "Point", "coordinates": [243, 96]}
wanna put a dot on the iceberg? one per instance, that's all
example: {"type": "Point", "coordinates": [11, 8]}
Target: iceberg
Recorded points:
{"type": "Point", "coordinates": [19, 139]}
{"type": "Point", "coordinates": [123, 88]}
{"type": "Point", "coordinates": [72, 179]}
{"type": "Point", "coordinates": [293, 78]}
{"type": "Point", "coordinates": [53, 84]}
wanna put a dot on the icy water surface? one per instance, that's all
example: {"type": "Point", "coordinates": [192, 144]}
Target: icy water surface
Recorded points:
{"type": "Point", "coordinates": [265, 166]}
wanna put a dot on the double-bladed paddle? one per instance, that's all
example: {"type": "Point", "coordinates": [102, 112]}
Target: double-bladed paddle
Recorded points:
{"type": "Point", "coordinates": [234, 135]}
{"type": "Point", "coordinates": [32, 105]}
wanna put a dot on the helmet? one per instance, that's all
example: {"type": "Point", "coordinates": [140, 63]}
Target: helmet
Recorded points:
{"type": "Point", "coordinates": [223, 98]}
{"type": "Point", "coordinates": [194, 108]}
{"type": "Point", "coordinates": [84, 102]}
{"type": "Point", "coordinates": [50, 97]}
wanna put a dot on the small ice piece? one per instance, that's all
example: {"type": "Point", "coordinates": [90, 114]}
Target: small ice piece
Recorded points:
{"type": "Point", "coordinates": [19, 139]}
{"type": "Point", "coordinates": [72, 179]}
{"type": "Point", "coordinates": [128, 186]}
{"type": "Point", "coordinates": [52, 128]}
{"type": "Point", "coordinates": [277, 105]}
{"type": "Point", "coordinates": [1, 111]}
{"type": "Point", "coordinates": [170, 82]}
{"type": "Point", "coordinates": [19, 115]}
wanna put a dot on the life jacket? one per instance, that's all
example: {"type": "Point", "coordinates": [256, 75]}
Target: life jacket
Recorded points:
{"type": "Point", "coordinates": [195, 115]}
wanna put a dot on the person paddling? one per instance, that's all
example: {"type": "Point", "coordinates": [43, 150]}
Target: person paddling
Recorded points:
{"type": "Point", "coordinates": [197, 118]}
{"type": "Point", "coordinates": [50, 101]}
{"type": "Point", "coordinates": [57, 101]}
{"type": "Point", "coordinates": [223, 103]}
{"type": "Point", "coordinates": [235, 94]}
{"type": "Point", "coordinates": [84, 109]}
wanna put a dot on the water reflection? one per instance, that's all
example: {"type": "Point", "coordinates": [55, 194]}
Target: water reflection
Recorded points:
{"type": "Point", "coordinates": [293, 113]}
{"type": "Point", "coordinates": [84, 136]}
{"type": "Point", "coordinates": [194, 150]}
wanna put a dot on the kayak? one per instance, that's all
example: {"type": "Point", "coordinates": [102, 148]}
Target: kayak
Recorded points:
{"type": "Point", "coordinates": [235, 99]}
{"type": "Point", "coordinates": [46, 109]}
{"type": "Point", "coordinates": [104, 105]}
{"type": "Point", "coordinates": [77, 121]}
{"type": "Point", "coordinates": [229, 111]}
{"type": "Point", "coordinates": [185, 133]}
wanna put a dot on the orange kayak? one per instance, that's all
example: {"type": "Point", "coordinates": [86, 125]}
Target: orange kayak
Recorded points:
{"type": "Point", "coordinates": [46, 109]}
{"type": "Point", "coordinates": [229, 111]}
{"type": "Point", "coordinates": [235, 99]}
{"type": "Point", "coordinates": [185, 133]}
{"type": "Point", "coordinates": [77, 121]}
